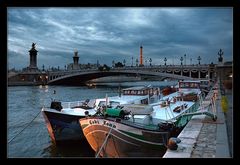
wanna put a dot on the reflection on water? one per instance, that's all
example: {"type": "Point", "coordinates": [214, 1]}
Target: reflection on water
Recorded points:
{"type": "Point", "coordinates": [70, 149]}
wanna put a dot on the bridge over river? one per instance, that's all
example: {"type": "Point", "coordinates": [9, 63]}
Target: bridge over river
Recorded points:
{"type": "Point", "coordinates": [178, 72]}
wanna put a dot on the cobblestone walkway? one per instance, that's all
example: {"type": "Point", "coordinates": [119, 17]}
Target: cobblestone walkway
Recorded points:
{"type": "Point", "coordinates": [205, 146]}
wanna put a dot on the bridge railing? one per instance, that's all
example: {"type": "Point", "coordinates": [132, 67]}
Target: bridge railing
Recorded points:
{"type": "Point", "coordinates": [134, 67]}
{"type": "Point", "coordinates": [153, 68]}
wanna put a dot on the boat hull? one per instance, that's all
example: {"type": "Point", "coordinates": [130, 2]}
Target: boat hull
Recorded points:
{"type": "Point", "coordinates": [63, 127]}
{"type": "Point", "coordinates": [115, 139]}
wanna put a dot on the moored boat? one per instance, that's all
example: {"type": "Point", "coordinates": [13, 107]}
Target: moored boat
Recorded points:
{"type": "Point", "coordinates": [62, 117]}
{"type": "Point", "coordinates": [140, 131]}
{"type": "Point", "coordinates": [168, 90]}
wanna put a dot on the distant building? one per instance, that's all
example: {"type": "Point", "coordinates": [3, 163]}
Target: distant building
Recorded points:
{"type": "Point", "coordinates": [225, 73]}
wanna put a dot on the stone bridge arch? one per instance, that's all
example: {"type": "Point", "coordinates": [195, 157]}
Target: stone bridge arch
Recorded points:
{"type": "Point", "coordinates": [80, 78]}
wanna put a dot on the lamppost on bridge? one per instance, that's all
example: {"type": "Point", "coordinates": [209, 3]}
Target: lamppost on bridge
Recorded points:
{"type": "Point", "coordinates": [65, 67]}
{"type": "Point", "coordinates": [132, 62]}
{"type": "Point", "coordinates": [136, 62]}
{"type": "Point", "coordinates": [199, 59]}
{"type": "Point", "coordinates": [124, 62]}
{"type": "Point", "coordinates": [185, 59]}
{"type": "Point", "coordinates": [220, 58]}
{"type": "Point", "coordinates": [165, 59]}
{"type": "Point", "coordinates": [150, 61]}
{"type": "Point", "coordinates": [190, 61]}
{"type": "Point", "coordinates": [113, 63]}
{"type": "Point", "coordinates": [43, 67]}
{"type": "Point", "coordinates": [97, 63]}
{"type": "Point", "coordinates": [181, 59]}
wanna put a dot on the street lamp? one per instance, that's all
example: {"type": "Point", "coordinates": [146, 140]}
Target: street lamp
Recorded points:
{"type": "Point", "coordinates": [136, 62]}
{"type": "Point", "coordinates": [220, 53]}
{"type": "Point", "coordinates": [124, 62]}
{"type": "Point", "coordinates": [190, 61]}
{"type": "Point", "coordinates": [184, 59]}
{"type": "Point", "coordinates": [199, 59]}
{"type": "Point", "coordinates": [97, 63]}
{"type": "Point", "coordinates": [165, 59]}
{"type": "Point", "coordinates": [150, 61]}
{"type": "Point", "coordinates": [113, 63]}
{"type": "Point", "coordinates": [132, 62]}
{"type": "Point", "coordinates": [181, 59]}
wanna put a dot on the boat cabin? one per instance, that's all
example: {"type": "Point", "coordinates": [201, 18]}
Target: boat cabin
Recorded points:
{"type": "Point", "coordinates": [189, 84]}
{"type": "Point", "coordinates": [192, 85]}
{"type": "Point", "coordinates": [140, 91]}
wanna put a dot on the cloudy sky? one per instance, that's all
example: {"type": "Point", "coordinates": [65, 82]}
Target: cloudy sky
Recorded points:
{"type": "Point", "coordinates": [107, 34]}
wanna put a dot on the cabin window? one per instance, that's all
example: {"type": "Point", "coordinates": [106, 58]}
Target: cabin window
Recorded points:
{"type": "Point", "coordinates": [144, 101]}
{"type": "Point", "coordinates": [114, 104]}
{"type": "Point", "coordinates": [192, 85]}
{"type": "Point", "coordinates": [101, 103]}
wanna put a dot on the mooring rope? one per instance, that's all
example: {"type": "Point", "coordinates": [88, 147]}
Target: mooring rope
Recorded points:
{"type": "Point", "coordinates": [25, 127]}
{"type": "Point", "coordinates": [104, 141]}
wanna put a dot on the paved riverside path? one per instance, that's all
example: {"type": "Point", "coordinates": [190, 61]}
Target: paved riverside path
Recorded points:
{"type": "Point", "coordinates": [229, 119]}
{"type": "Point", "coordinates": [203, 138]}
{"type": "Point", "coordinates": [205, 145]}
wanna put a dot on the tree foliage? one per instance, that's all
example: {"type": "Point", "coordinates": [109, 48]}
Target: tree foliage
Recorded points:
{"type": "Point", "coordinates": [104, 68]}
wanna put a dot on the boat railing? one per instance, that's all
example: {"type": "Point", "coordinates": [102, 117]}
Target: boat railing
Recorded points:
{"type": "Point", "coordinates": [189, 110]}
{"type": "Point", "coordinates": [207, 106]}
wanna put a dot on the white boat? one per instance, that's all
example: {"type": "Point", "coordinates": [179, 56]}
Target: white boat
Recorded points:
{"type": "Point", "coordinates": [62, 117]}
{"type": "Point", "coordinates": [142, 131]}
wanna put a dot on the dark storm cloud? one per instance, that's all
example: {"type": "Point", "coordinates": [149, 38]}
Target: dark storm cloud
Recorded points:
{"type": "Point", "coordinates": [107, 34]}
